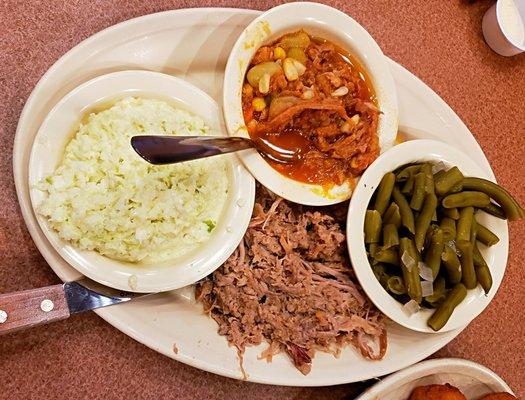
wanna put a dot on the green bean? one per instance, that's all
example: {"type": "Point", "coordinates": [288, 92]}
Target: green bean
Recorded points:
{"type": "Point", "coordinates": [390, 236]}
{"type": "Point", "coordinates": [418, 194]}
{"type": "Point", "coordinates": [384, 191]}
{"type": "Point", "coordinates": [373, 262]}
{"type": "Point", "coordinates": [438, 175]}
{"type": "Point", "coordinates": [390, 210]}
{"type": "Point", "coordinates": [378, 268]}
{"type": "Point", "coordinates": [486, 236]}
{"type": "Point", "coordinates": [435, 216]}
{"type": "Point", "coordinates": [430, 231]}
{"type": "Point", "coordinates": [473, 231]}
{"type": "Point", "coordinates": [448, 226]}
{"type": "Point", "coordinates": [372, 226]}
{"type": "Point", "coordinates": [395, 285]}
{"type": "Point", "coordinates": [392, 216]}
{"type": "Point", "coordinates": [433, 254]}
{"type": "Point", "coordinates": [429, 178]}
{"type": "Point", "coordinates": [424, 218]}
{"type": "Point", "coordinates": [381, 275]}
{"type": "Point", "coordinates": [436, 304]}
{"type": "Point", "coordinates": [389, 256]}
{"type": "Point", "coordinates": [410, 273]}
{"type": "Point", "coordinates": [458, 187]}
{"type": "Point", "coordinates": [468, 277]}
{"type": "Point", "coordinates": [466, 199]}
{"type": "Point", "coordinates": [466, 215]}
{"type": "Point", "coordinates": [450, 213]}
{"type": "Point", "coordinates": [439, 291]}
{"type": "Point", "coordinates": [407, 172]}
{"type": "Point", "coordinates": [495, 210]}
{"type": "Point", "coordinates": [452, 265]}
{"type": "Point", "coordinates": [444, 183]}
{"type": "Point", "coordinates": [444, 311]}
{"type": "Point", "coordinates": [482, 270]}
{"type": "Point", "coordinates": [408, 187]}
{"type": "Point", "coordinates": [373, 248]}
{"type": "Point", "coordinates": [407, 217]}
{"type": "Point", "coordinates": [513, 210]}
{"type": "Point", "coordinates": [477, 258]}
{"type": "Point", "coordinates": [484, 278]}
{"type": "Point", "coordinates": [426, 168]}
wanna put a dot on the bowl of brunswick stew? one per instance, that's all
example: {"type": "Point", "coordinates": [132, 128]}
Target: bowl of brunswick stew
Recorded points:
{"type": "Point", "coordinates": [307, 79]}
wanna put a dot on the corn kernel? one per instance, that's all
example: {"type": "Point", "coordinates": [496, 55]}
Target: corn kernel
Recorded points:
{"type": "Point", "coordinates": [258, 104]}
{"type": "Point", "coordinates": [279, 53]}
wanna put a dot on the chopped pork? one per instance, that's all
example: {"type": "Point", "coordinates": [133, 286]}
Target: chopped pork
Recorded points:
{"type": "Point", "coordinates": [290, 284]}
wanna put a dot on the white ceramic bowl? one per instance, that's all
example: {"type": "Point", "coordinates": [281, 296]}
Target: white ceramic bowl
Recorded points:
{"type": "Point", "coordinates": [47, 150]}
{"type": "Point", "coordinates": [331, 24]}
{"type": "Point", "coordinates": [473, 380]}
{"type": "Point", "coordinates": [496, 256]}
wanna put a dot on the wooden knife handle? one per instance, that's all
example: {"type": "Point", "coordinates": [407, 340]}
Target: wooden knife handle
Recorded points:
{"type": "Point", "coordinates": [21, 310]}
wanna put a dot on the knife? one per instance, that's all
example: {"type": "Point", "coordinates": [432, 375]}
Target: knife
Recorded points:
{"type": "Point", "coordinates": [29, 308]}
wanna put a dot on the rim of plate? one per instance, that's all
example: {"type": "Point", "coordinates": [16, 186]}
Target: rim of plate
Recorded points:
{"type": "Point", "coordinates": [56, 131]}
{"type": "Point", "coordinates": [124, 319]}
{"type": "Point", "coordinates": [436, 366]}
{"type": "Point", "coordinates": [333, 25]}
{"type": "Point", "coordinates": [414, 151]}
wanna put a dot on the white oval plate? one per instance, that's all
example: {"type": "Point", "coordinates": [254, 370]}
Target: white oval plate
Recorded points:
{"type": "Point", "coordinates": [47, 152]}
{"type": "Point", "coordinates": [472, 379]}
{"type": "Point", "coordinates": [415, 151]}
{"type": "Point", "coordinates": [194, 44]}
{"type": "Point", "coordinates": [329, 23]}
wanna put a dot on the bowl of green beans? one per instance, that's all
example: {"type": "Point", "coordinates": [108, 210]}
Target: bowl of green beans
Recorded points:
{"type": "Point", "coordinates": [427, 235]}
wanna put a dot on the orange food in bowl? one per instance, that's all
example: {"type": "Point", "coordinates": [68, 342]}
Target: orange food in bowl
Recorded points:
{"type": "Point", "coordinates": [449, 392]}
{"type": "Point", "coordinates": [305, 94]}
{"type": "Point", "coordinates": [437, 392]}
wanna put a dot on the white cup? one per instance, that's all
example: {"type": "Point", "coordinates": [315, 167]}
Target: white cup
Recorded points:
{"type": "Point", "coordinates": [504, 27]}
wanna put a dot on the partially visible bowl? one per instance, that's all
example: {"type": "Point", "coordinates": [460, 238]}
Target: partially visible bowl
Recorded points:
{"type": "Point", "coordinates": [473, 380]}
{"type": "Point", "coordinates": [496, 256]}
{"type": "Point", "coordinates": [328, 23]}
{"type": "Point", "coordinates": [47, 151]}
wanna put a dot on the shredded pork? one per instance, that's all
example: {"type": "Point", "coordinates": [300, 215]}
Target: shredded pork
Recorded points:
{"type": "Point", "coordinates": [290, 284]}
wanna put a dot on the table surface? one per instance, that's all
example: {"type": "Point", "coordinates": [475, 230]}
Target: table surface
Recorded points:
{"type": "Point", "coordinates": [439, 41]}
